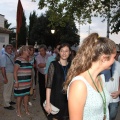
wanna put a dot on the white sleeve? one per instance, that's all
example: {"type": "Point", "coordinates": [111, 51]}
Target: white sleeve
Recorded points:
{"type": "Point", "coordinates": [119, 58]}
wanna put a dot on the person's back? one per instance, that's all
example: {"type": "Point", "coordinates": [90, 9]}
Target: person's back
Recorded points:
{"type": "Point", "coordinates": [3, 50]}
{"type": "Point", "coordinates": [93, 109]}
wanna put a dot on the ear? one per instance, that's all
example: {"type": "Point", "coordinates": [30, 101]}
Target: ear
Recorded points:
{"type": "Point", "coordinates": [104, 58]}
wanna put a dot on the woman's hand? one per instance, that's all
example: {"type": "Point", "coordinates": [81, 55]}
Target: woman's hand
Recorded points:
{"type": "Point", "coordinates": [16, 84]}
{"type": "Point", "coordinates": [48, 108]}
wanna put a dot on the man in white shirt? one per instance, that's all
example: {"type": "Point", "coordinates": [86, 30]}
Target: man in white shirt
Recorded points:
{"type": "Point", "coordinates": [112, 80]}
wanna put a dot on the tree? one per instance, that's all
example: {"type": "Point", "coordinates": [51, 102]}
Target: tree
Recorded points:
{"type": "Point", "coordinates": [6, 24]}
{"type": "Point", "coordinates": [23, 32]}
{"type": "Point", "coordinates": [32, 20]}
{"type": "Point", "coordinates": [41, 32]}
{"type": "Point", "coordinates": [83, 10]}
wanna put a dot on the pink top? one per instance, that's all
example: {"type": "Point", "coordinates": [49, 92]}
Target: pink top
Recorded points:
{"type": "Point", "coordinates": [41, 59]}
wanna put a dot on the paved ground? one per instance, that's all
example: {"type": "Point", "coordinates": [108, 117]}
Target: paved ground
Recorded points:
{"type": "Point", "coordinates": [36, 112]}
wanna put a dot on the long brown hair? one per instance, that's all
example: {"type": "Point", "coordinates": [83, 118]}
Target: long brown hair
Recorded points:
{"type": "Point", "coordinates": [90, 51]}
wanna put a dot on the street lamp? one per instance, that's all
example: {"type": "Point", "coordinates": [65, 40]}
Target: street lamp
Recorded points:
{"type": "Point", "coordinates": [52, 31]}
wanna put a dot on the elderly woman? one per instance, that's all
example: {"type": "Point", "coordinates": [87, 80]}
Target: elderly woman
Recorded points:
{"type": "Point", "coordinates": [22, 76]}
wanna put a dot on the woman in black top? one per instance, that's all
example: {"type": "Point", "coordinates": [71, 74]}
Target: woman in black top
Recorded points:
{"type": "Point", "coordinates": [54, 87]}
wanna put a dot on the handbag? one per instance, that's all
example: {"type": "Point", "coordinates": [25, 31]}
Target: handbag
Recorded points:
{"type": "Point", "coordinates": [54, 111]}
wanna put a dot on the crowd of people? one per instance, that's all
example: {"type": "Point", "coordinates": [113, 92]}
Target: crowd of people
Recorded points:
{"type": "Point", "coordinates": [82, 85]}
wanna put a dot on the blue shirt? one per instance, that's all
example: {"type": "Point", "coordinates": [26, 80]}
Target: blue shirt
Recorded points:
{"type": "Point", "coordinates": [7, 63]}
{"type": "Point", "coordinates": [50, 59]}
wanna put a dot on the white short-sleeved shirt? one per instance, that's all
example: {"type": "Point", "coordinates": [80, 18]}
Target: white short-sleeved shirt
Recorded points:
{"type": "Point", "coordinates": [113, 86]}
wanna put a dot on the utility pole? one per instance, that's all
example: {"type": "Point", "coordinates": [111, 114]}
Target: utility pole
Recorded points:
{"type": "Point", "coordinates": [79, 28]}
{"type": "Point", "coordinates": [108, 21]}
{"type": "Point", "coordinates": [89, 30]}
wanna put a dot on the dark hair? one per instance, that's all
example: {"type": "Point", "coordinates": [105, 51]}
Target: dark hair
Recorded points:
{"type": "Point", "coordinates": [8, 45]}
{"type": "Point", "coordinates": [61, 46]}
{"type": "Point", "coordinates": [43, 46]}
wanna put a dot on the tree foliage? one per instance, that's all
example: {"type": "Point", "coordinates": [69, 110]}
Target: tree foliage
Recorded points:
{"type": "Point", "coordinates": [83, 10]}
{"type": "Point", "coordinates": [41, 32]}
{"type": "Point", "coordinates": [32, 20]}
{"type": "Point", "coordinates": [6, 24]}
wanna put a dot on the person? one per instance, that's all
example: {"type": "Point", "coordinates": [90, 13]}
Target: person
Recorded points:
{"type": "Point", "coordinates": [52, 58]}
{"type": "Point", "coordinates": [41, 60]}
{"type": "Point", "coordinates": [112, 78]}
{"type": "Point", "coordinates": [23, 81]}
{"type": "Point", "coordinates": [3, 50]}
{"type": "Point", "coordinates": [88, 98]}
{"type": "Point", "coordinates": [56, 77]}
{"type": "Point", "coordinates": [7, 65]}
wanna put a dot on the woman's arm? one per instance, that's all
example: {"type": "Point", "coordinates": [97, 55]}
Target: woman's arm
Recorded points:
{"type": "Point", "coordinates": [49, 83]}
{"type": "Point", "coordinates": [76, 100]}
{"type": "Point", "coordinates": [48, 104]}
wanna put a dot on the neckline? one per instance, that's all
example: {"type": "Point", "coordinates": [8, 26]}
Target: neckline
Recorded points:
{"type": "Point", "coordinates": [63, 65]}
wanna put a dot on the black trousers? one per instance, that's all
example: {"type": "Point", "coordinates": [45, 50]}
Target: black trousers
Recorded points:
{"type": "Point", "coordinates": [42, 90]}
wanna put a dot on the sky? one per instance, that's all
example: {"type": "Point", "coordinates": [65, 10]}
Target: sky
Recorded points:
{"type": "Point", "coordinates": [8, 8]}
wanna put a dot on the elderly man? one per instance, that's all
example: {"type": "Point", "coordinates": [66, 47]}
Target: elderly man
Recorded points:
{"type": "Point", "coordinates": [7, 64]}
{"type": "Point", "coordinates": [41, 65]}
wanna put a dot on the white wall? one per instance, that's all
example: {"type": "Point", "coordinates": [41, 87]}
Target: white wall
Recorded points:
{"type": "Point", "coordinates": [4, 39]}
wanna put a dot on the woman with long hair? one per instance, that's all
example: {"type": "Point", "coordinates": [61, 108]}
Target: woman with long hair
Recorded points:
{"type": "Point", "coordinates": [56, 77]}
{"type": "Point", "coordinates": [23, 81]}
{"type": "Point", "coordinates": [88, 98]}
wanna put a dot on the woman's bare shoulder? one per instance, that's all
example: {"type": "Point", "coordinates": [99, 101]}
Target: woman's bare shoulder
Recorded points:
{"type": "Point", "coordinates": [77, 85]}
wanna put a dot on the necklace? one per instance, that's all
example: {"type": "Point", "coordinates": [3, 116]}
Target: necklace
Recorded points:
{"type": "Point", "coordinates": [102, 96]}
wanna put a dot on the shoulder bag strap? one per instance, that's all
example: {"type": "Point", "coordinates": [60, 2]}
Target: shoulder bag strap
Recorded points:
{"type": "Point", "coordinates": [10, 59]}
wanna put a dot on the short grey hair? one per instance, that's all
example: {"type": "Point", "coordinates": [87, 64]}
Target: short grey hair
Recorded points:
{"type": "Point", "coordinates": [43, 46]}
{"type": "Point", "coordinates": [8, 45]}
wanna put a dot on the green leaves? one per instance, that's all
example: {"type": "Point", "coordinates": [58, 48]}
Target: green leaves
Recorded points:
{"type": "Point", "coordinates": [83, 10]}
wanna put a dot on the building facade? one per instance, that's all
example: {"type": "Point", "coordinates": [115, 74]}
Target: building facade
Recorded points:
{"type": "Point", "coordinates": [4, 33]}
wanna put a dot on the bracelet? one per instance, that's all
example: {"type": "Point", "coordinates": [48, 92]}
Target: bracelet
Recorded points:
{"type": "Point", "coordinates": [16, 81]}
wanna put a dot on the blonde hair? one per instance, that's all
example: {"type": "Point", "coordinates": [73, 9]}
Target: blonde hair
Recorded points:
{"type": "Point", "coordinates": [23, 48]}
{"type": "Point", "coordinates": [90, 51]}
